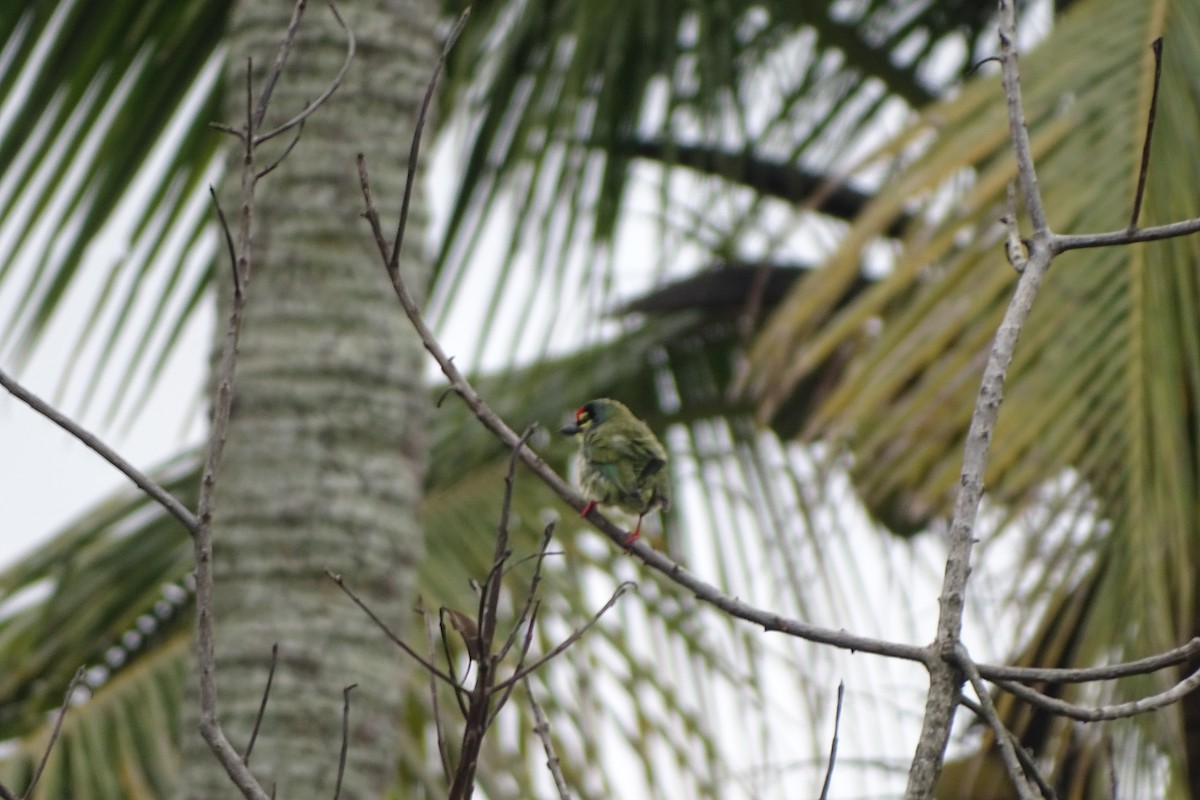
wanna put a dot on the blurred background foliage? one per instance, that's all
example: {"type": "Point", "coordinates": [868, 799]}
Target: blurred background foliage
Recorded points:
{"type": "Point", "coordinates": [771, 228]}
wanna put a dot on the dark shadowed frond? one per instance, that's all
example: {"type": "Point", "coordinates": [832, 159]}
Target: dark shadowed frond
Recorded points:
{"type": "Point", "coordinates": [570, 113]}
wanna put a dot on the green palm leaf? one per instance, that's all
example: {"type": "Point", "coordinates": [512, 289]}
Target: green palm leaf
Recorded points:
{"type": "Point", "coordinates": [106, 149]}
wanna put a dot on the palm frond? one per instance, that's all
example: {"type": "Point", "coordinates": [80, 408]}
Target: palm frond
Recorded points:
{"type": "Point", "coordinates": [106, 151]}
{"type": "Point", "coordinates": [587, 109]}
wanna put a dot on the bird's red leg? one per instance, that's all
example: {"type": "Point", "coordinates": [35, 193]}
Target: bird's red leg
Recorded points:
{"type": "Point", "coordinates": [587, 509]}
{"type": "Point", "coordinates": [635, 534]}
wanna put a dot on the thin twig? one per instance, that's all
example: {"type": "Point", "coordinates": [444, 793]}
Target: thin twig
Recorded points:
{"type": "Point", "coordinates": [459, 697]}
{"type": "Point", "coordinates": [542, 729]}
{"type": "Point", "coordinates": [54, 733]}
{"type": "Point", "coordinates": [531, 594]}
{"type": "Point", "coordinates": [1003, 742]}
{"type": "Point", "coordinates": [139, 478]}
{"type": "Point", "coordinates": [233, 260]}
{"type": "Point", "coordinates": [281, 57]}
{"type": "Point", "coordinates": [1027, 762]}
{"type": "Point", "coordinates": [341, 770]}
{"type": "Point", "coordinates": [267, 170]}
{"type": "Point", "coordinates": [833, 743]}
{"type": "Point", "coordinates": [379, 623]}
{"type": "Point", "coordinates": [526, 644]}
{"type": "Point", "coordinates": [575, 636]}
{"type": "Point", "coordinates": [443, 752]}
{"type": "Point", "coordinates": [311, 108]}
{"type": "Point", "coordinates": [393, 262]}
{"type": "Point", "coordinates": [262, 706]}
{"type": "Point", "coordinates": [1156, 46]}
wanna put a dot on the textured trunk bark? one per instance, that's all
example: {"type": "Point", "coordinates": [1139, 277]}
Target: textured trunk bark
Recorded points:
{"type": "Point", "coordinates": [325, 458]}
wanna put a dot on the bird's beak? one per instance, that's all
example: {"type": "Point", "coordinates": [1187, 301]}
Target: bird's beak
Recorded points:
{"type": "Point", "coordinates": [570, 430]}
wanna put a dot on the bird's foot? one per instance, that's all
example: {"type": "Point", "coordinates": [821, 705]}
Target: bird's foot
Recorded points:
{"type": "Point", "coordinates": [634, 534]}
{"type": "Point", "coordinates": [587, 509]}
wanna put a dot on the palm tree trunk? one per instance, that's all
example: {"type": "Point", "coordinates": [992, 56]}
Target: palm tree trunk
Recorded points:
{"type": "Point", "coordinates": [325, 457]}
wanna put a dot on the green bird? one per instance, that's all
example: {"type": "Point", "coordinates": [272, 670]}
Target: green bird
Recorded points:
{"type": "Point", "coordinates": [621, 461]}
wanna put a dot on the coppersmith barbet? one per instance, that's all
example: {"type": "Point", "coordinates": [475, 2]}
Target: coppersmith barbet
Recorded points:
{"type": "Point", "coordinates": [621, 461]}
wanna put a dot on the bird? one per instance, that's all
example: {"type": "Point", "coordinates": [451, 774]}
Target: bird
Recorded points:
{"type": "Point", "coordinates": [621, 462]}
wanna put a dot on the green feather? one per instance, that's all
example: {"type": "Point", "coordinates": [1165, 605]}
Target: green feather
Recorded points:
{"type": "Point", "coordinates": [621, 460]}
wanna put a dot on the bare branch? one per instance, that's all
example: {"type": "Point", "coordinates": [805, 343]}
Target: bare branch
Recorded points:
{"type": "Point", "coordinates": [945, 677]}
{"type": "Point", "coordinates": [1097, 713]}
{"type": "Point", "coordinates": [542, 729]}
{"type": "Point", "coordinates": [62, 712]}
{"type": "Point", "coordinates": [1064, 242]}
{"type": "Point", "coordinates": [262, 707]}
{"type": "Point", "coordinates": [1142, 666]}
{"type": "Point", "coordinates": [139, 478]}
{"type": "Point", "coordinates": [1019, 133]}
{"type": "Point", "coordinates": [224, 128]}
{"type": "Point", "coordinates": [210, 728]}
